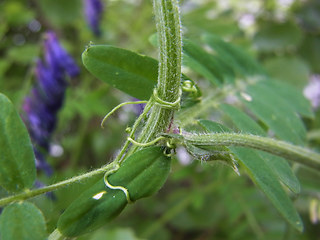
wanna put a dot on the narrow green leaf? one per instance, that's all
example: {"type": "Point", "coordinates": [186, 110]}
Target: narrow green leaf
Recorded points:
{"type": "Point", "coordinates": [128, 71]}
{"type": "Point", "coordinates": [209, 66]}
{"type": "Point", "coordinates": [242, 120]}
{"type": "Point", "coordinates": [23, 221]}
{"type": "Point", "coordinates": [277, 36]}
{"type": "Point", "coordinates": [235, 57]}
{"type": "Point", "coordinates": [291, 70]}
{"type": "Point", "coordinates": [258, 166]}
{"type": "Point", "coordinates": [17, 161]}
{"type": "Point", "coordinates": [291, 95]}
{"type": "Point", "coordinates": [279, 166]}
{"type": "Point", "coordinates": [275, 112]}
{"type": "Point", "coordinates": [264, 178]}
{"type": "Point", "coordinates": [213, 126]}
{"type": "Point", "coordinates": [283, 170]}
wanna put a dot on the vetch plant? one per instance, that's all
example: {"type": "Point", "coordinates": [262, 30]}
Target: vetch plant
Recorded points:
{"type": "Point", "coordinates": [262, 129]}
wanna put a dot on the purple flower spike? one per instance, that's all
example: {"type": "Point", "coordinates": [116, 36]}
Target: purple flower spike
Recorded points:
{"type": "Point", "coordinates": [46, 97]}
{"type": "Point", "coordinates": [93, 10]}
{"type": "Point", "coordinates": [57, 57]}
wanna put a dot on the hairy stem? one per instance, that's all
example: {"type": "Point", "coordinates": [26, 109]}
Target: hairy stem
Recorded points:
{"type": "Point", "coordinates": [169, 76]}
{"type": "Point", "coordinates": [39, 191]}
{"type": "Point", "coordinates": [170, 44]}
{"type": "Point", "coordinates": [280, 148]}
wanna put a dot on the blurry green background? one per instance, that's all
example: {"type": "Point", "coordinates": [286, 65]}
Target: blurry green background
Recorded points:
{"type": "Point", "coordinates": [198, 201]}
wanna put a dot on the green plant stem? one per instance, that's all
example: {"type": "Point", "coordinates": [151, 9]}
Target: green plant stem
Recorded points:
{"type": "Point", "coordinates": [53, 187]}
{"type": "Point", "coordinates": [283, 149]}
{"type": "Point", "coordinates": [168, 87]}
{"type": "Point", "coordinates": [169, 76]}
{"type": "Point", "coordinates": [120, 156]}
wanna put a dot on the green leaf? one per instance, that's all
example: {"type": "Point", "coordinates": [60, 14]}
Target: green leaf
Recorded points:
{"type": "Point", "coordinates": [264, 178]}
{"type": "Point", "coordinates": [275, 112]}
{"type": "Point", "coordinates": [260, 171]}
{"type": "Point", "coordinates": [23, 221]}
{"type": "Point", "coordinates": [213, 126]}
{"type": "Point", "coordinates": [292, 70]}
{"type": "Point", "coordinates": [197, 20]}
{"type": "Point", "coordinates": [128, 71]}
{"type": "Point", "coordinates": [17, 161]}
{"type": "Point", "coordinates": [236, 58]}
{"type": "Point", "coordinates": [309, 50]}
{"type": "Point", "coordinates": [209, 66]}
{"type": "Point", "coordinates": [291, 95]}
{"type": "Point", "coordinates": [279, 165]}
{"type": "Point", "coordinates": [283, 171]}
{"type": "Point", "coordinates": [274, 36]}
{"type": "Point", "coordinates": [242, 120]}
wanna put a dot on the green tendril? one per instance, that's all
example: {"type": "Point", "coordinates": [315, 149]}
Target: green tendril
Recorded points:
{"type": "Point", "coordinates": [117, 107]}
{"type": "Point", "coordinates": [123, 189]}
{"type": "Point", "coordinates": [148, 143]}
{"type": "Point", "coordinates": [165, 104]}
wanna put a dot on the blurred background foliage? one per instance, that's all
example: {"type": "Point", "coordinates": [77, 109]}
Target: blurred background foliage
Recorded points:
{"type": "Point", "coordinates": [198, 201]}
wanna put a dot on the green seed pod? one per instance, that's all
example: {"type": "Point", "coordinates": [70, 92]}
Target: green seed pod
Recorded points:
{"type": "Point", "coordinates": [142, 174]}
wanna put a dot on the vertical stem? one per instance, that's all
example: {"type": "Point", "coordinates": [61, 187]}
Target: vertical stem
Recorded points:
{"type": "Point", "coordinates": [169, 32]}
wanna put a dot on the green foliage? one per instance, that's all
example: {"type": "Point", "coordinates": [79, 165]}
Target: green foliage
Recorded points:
{"type": "Point", "coordinates": [206, 65]}
{"type": "Point", "coordinates": [276, 112]}
{"type": "Point", "coordinates": [279, 165]}
{"type": "Point", "coordinates": [238, 60]}
{"type": "Point", "coordinates": [251, 78]}
{"type": "Point", "coordinates": [275, 36]}
{"type": "Point", "coordinates": [265, 172]}
{"type": "Point", "coordinates": [142, 174]}
{"type": "Point", "coordinates": [17, 162]}
{"type": "Point", "coordinates": [60, 12]}
{"type": "Point", "coordinates": [263, 176]}
{"type": "Point", "coordinates": [22, 221]}
{"type": "Point", "coordinates": [291, 70]}
{"type": "Point", "coordinates": [132, 73]}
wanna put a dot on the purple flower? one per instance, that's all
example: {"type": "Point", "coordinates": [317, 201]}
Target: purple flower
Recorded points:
{"type": "Point", "coordinates": [47, 96]}
{"type": "Point", "coordinates": [57, 58]}
{"type": "Point", "coordinates": [93, 11]}
{"type": "Point", "coordinates": [312, 91]}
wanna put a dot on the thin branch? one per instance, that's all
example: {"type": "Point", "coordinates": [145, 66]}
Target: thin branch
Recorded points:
{"type": "Point", "coordinates": [280, 148]}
